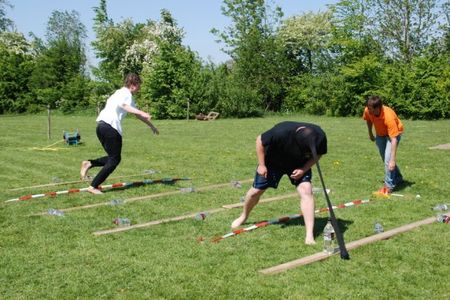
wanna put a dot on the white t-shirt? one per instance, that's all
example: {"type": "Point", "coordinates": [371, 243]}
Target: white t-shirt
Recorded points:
{"type": "Point", "coordinates": [113, 113]}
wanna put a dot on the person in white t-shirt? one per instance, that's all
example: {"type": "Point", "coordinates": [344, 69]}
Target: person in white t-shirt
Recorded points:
{"type": "Point", "coordinates": [109, 130]}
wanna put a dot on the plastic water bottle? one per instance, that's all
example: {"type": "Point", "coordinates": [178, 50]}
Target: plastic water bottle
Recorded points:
{"type": "Point", "coordinates": [236, 184]}
{"type": "Point", "coordinates": [201, 216]}
{"type": "Point", "coordinates": [317, 190]}
{"type": "Point", "coordinates": [56, 179]}
{"type": "Point", "coordinates": [329, 241]}
{"type": "Point", "coordinates": [122, 222]}
{"type": "Point", "coordinates": [114, 202]}
{"type": "Point", "coordinates": [378, 228]}
{"type": "Point", "coordinates": [441, 207]}
{"type": "Point", "coordinates": [187, 190]}
{"type": "Point", "coordinates": [441, 218]}
{"type": "Point", "coordinates": [55, 212]}
{"type": "Point", "coordinates": [150, 172]}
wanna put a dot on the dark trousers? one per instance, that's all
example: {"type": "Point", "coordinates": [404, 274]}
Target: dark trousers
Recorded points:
{"type": "Point", "coordinates": [111, 141]}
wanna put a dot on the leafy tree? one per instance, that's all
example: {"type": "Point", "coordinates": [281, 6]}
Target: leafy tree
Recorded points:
{"type": "Point", "coordinates": [405, 26]}
{"type": "Point", "coordinates": [172, 73]}
{"type": "Point", "coordinates": [16, 63]}
{"type": "Point", "coordinates": [259, 62]}
{"type": "Point", "coordinates": [111, 47]}
{"type": "Point", "coordinates": [353, 34]}
{"type": "Point", "coordinates": [6, 24]}
{"type": "Point", "coordinates": [360, 79]}
{"type": "Point", "coordinates": [446, 26]}
{"type": "Point", "coordinates": [115, 46]}
{"type": "Point", "coordinates": [60, 63]}
{"type": "Point", "coordinates": [420, 90]}
{"type": "Point", "coordinates": [307, 38]}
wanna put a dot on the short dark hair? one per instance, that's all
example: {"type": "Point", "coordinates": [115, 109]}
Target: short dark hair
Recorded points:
{"type": "Point", "coordinates": [132, 79]}
{"type": "Point", "coordinates": [312, 139]}
{"type": "Point", "coordinates": [374, 102]}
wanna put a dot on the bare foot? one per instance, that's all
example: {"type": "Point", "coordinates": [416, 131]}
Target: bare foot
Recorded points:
{"type": "Point", "coordinates": [85, 166]}
{"type": "Point", "coordinates": [94, 191]}
{"type": "Point", "coordinates": [310, 241]}
{"type": "Point", "coordinates": [238, 222]}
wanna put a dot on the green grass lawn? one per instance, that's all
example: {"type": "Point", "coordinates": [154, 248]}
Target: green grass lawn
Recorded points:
{"type": "Point", "coordinates": [46, 257]}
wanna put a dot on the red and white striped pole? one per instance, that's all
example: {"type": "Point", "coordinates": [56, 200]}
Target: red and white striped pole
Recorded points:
{"type": "Point", "coordinates": [285, 219]}
{"type": "Point", "coordinates": [103, 187]}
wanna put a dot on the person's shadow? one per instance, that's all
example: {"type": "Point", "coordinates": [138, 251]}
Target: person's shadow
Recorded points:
{"type": "Point", "coordinates": [405, 184]}
{"type": "Point", "coordinates": [319, 224]}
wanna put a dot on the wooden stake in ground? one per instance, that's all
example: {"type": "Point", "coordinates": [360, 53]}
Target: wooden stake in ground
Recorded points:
{"type": "Point", "coordinates": [49, 127]}
{"type": "Point", "coordinates": [352, 245]}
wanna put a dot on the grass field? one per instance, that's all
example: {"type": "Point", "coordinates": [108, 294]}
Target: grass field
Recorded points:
{"type": "Point", "coordinates": [49, 257]}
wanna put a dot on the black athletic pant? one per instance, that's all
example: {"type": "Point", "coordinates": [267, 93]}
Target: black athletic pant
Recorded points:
{"type": "Point", "coordinates": [112, 143]}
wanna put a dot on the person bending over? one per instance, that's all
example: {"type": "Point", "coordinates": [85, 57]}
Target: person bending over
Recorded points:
{"type": "Point", "coordinates": [290, 148]}
{"type": "Point", "coordinates": [389, 129]}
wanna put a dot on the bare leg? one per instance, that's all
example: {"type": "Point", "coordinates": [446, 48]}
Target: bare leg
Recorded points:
{"type": "Point", "coordinates": [251, 199]}
{"type": "Point", "coordinates": [307, 206]}
{"type": "Point", "coordinates": [85, 166]}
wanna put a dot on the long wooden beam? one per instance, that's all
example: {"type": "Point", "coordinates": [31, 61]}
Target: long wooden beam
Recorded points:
{"type": "Point", "coordinates": [156, 222]}
{"type": "Point", "coordinates": [73, 182]}
{"type": "Point", "coordinates": [291, 195]}
{"type": "Point", "coordinates": [236, 205]}
{"type": "Point", "coordinates": [352, 245]}
{"type": "Point", "coordinates": [147, 197]}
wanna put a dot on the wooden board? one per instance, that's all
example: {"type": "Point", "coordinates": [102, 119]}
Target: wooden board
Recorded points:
{"type": "Point", "coordinates": [441, 146]}
{"type": "Point", "coordinates": [156, 222]}
{"type": "Point", "coordinates": [73, 182]}
{"type": "Point", "coordinates": [352, 245]}
{"type": "Point", "coordinates": [236, 205]}
{"type": "Point", "coordinates": [229, 206]}
{"type": "Point", "coordinates": [147, 197]}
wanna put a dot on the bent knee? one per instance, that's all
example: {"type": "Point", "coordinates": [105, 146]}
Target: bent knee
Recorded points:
{"type": "Point", "coordinates": [114, 161]}
{"type": "Point", "coordinates": [254, 192]}
{"type": "Point", "coordinates": [305, 189]}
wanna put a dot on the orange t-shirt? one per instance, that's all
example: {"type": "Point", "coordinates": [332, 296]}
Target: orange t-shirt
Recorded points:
{"type": "Point", "coordinates": [387, 123]}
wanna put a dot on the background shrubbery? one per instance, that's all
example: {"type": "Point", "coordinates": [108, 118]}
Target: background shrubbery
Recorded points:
{"type": "Point", "coordinates": [323, 63]}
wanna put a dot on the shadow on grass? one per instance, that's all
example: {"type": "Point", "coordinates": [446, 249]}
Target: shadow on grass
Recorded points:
{"type": "Point", "coordinates": [319, 224]}
{"type": "Point", "coordinates": [405, 184]}
{"type": "Point", "coordinates": [134, 184]}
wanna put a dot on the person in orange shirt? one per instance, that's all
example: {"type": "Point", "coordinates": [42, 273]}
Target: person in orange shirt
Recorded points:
{"type": "Point", "coordinates": [389, 129]}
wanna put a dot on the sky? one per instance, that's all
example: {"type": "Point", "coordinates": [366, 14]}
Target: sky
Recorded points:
{"type": "Point", "coordinates": [195, 17]}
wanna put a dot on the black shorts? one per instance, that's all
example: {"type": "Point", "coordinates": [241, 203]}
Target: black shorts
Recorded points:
{"type": "Point", "coordinates": [274, 176]}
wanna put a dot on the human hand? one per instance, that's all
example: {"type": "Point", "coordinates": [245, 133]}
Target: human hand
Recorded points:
{"type": "Point", "coordinates": [262, 170]}
{"type": "Point", "coordinates": [154, 129]}
{"type": "Point", "coordinates": [297, 174]}
{"type": "Point", "coordinates": [145, 116]}
{"type": "Point", "coordinates": [371, 137]}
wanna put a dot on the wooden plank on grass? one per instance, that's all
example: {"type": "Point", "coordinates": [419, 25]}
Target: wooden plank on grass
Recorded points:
{"type": "Point", "coordinates": [156, 222]}
{"type": "Point", "coordinates": [236, 205]}
{"type": "Point", "coordinates": [147, 197]}
{"type": "Point", "coordinates": [229, 206]}
{"type": "Point", "coordinates": [72, 182]}
{"type": "Point", "coordinates": [352, 245]}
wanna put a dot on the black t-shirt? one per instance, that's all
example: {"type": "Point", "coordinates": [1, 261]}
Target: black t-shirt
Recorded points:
{"type": "Point", "coordinates": [289, 145]}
